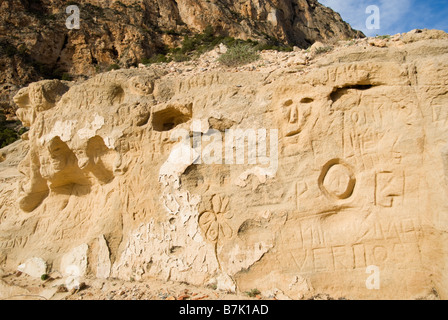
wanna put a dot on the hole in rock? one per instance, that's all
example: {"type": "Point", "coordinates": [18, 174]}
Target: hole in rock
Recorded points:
{"type": "Point", "coordinates": [339, 92]}
{"type": "Point", "coordinates": [168, 119]}
{"type": "Point", "coordinates": [117, 95]}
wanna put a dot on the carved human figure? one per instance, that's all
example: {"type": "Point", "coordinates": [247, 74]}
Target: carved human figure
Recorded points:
{"type": "Point", "coordinates": [59, 165]}
{"type": "Point", "coordinates": [295, 116]}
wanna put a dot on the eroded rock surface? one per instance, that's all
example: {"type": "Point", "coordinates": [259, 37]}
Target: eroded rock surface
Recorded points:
{"type": "Point", "coordinates": [361, 137]}
{"type": "Point", "coordinates": [36, 44]}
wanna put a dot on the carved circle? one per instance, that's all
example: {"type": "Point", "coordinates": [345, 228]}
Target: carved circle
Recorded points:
{"type": "Point", "coordinates": [337, 180]}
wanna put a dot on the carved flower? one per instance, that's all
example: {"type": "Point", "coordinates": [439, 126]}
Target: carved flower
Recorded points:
{"type": "Point", "coordinates": [214, 223]}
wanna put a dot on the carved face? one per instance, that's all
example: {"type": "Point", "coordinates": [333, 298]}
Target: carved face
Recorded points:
{"type": "Point", "coordinates": [294, 117]}
{"type": "Point", "coordinates": [54, 158]}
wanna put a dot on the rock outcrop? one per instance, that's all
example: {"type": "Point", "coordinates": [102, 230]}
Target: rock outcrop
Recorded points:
{"type": "Point", "coordinates": [36, 44]}
{"type": "Point", "coordinates": [339, 168]}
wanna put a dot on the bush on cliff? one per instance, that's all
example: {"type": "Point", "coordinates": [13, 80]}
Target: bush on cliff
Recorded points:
{"type": "Point", "coordinates": [238, 55]}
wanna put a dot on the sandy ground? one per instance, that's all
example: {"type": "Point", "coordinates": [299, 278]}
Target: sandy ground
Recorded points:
{"type": "Point", "coordinates": [19, 286]}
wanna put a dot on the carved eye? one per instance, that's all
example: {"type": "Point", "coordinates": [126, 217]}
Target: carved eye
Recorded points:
{"type": "Point", "coordinates": [306, 100]}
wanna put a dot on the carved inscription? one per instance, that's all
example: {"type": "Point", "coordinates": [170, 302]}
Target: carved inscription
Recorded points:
{"type": "Point", "coordinates": [388, 186]}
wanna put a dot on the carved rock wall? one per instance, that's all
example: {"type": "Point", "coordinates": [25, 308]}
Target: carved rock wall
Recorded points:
{"type": "Point", "coordinates": [361, 140]}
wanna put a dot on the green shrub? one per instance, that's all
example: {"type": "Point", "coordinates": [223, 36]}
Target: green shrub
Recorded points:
{"type": "Point", "coordinates": [23, 130]}
{"type": "Point", "coordinates": [281, 48]}
{"type": "Point", "coordinates": [240, 51]}
{"type": "Point", "coordinates": [179, 57]}
{"type": "Point", "coordinates": [158, 58]}
{"type": "Point", "coordinates": [66, 77]}
{"type": "Point", "coordinates": [7, 136]}
{"type": "Point", "coordinates": [253, 293]}
{"type": "Point", "coordinates": [322, 50]}
{"type": "Point", "coordinates": [202, 42]}
{"type": "Point", "coordinates": [113, 66]}
{"type": "Point", "coordinates": [238, 55]}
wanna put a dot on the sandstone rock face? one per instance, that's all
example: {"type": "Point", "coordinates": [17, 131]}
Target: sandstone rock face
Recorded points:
{"type": "Point", "coordinates": [124, 32]}
{"type": "Point", "coordinates": [34, 267]}
{"type": "Point", "coordinates": [129, 175]}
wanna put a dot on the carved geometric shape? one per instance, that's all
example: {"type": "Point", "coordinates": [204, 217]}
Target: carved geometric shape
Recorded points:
{"type": "Point", "coordinates": [337, 180]}
{"type": "Point", "coordinates": [388, 185]}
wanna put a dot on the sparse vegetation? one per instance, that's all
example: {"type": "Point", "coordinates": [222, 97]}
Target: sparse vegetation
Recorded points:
{"type": "Point", "coordinates": [325, 49]}
{"type": "Point", "coordinates": [195, 45]}
{"type": "Point", "coordinates": [203, 42]}
{"type": "Point", "coordinates": [253, 293]}
{"type": "Point", "coordinates": [66, 77]}
{"type": "Point", "coordinates": [383, 37]}
{"type": "Point", "coordinates": [280, 48]}
{"type": "Point", "coordinates": [113, 66]}
{"type": "Point", "coordinates": [8, 134]}
{"type": "Point", "coordinates": [180, 57]}
{"type": "Point", "coordinates": [238, 55]}
{"type": "Point", "coordinates": [158, 58]}
{"type": "Point", "coordinates": [44, 277]}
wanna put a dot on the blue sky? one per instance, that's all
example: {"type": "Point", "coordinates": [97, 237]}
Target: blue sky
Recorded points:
{"type": "Point", "coordinates": [396, 16]}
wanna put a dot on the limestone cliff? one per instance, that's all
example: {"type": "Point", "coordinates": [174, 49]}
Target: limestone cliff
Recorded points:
{"type": "Point", "coordinates": [128, 174]}
{"type": "Point", "coordinates": [35, 43]}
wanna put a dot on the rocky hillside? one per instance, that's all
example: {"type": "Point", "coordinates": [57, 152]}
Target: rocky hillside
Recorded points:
{"type": "Point", "coordinates": [35, 43]}
{"type": "Point", "coordinates": [128, 175]}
